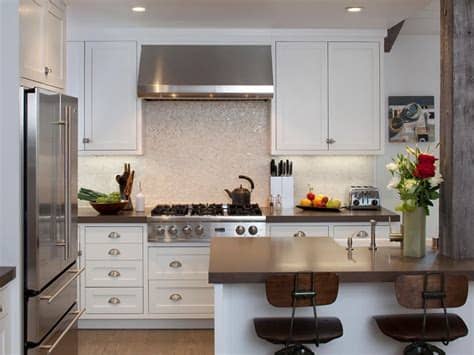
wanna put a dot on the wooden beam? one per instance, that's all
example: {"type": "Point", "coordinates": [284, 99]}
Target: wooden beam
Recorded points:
{"type": "Point", "coordinates": [457, 129]}
{"type": "Point", "coordinates": [392, 34]}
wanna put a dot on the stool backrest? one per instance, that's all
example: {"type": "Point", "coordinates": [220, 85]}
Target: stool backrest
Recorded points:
{"type": "Point", "coordinates": [281, 289]}
{"type": "Point", "coordinates": [433, 289]}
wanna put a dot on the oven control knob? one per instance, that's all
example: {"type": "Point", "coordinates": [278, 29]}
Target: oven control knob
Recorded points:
{"type": "Point", "coordinates": [173, 231]}
{"type": "Point", "coordinates": [253, 230]}
{"type": "Point", "coordinates": [199, 230]}
{"type": "Point", "coordinates": [240, 230]}
{"type": "Point", "coordinates": [187, 229]}
{"type": "Point", "coordinates": [375, 203]}
{"type": "Point", "coordinates": [160, 230]}
{"type": "Point", "coordinates": [356, 202]}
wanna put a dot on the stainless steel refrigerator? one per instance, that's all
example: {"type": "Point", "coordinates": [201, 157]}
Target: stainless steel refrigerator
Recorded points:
{"type": "Point", "coordinates": [50, 220]}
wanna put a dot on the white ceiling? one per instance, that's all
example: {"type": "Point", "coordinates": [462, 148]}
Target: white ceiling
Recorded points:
{"type": "Point", "coordinates": [425, 21]}
{"type": "Point", "coordinates": [242, 13]}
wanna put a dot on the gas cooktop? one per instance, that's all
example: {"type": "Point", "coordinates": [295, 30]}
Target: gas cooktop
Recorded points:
{"type": "Point", "coordinates": [205, 210]}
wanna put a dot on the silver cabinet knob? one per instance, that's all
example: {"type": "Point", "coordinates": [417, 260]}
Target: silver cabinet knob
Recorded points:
{"type": "Point", "coordinates": [114, 273]}
{"type": "Point", "coordinates": [173, 231]}
{"type": "Point", "coordinates": [187, 229]}
{"type": "Point", "coordinates": [1, 308]}
{"type": "Point", "coordinates": [330, 141]}
{"type": "Point", "coordinates": [86, 140]}
{"type": "Point", "coordinates": [175, 297]}
{"type": "Point", "coordinates": [114, 300]}
{"type": "Point", "coordinates": [253, 230]}
{"type": "Point", "coordinates": [299, 234]}
{"type": "Point", "coordinates": [48, 70]}
{"type": "Point", "coordinates": [175, 264]}
{"type": "Point", "coordinates": [160, 230]}
{"type": "Point", "coordinates": [114, 235]}
{"type": "Point", "coordinates": [199, 230]}
{"type": "Point", "coordinates": [362, 234]}
{"type": "Point", "coordinates": [240, 230]}
{"type": "Point", "coordinates": [114, 252]}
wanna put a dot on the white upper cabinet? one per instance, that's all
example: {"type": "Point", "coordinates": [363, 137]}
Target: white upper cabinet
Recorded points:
{"type": "Point", "coordinates": [42, 25]}
{"type": "Point", "coordinates": [301, 96]}
{"type": "Point", "coordinates": [328, 98]}
{"type": "Point", "coordinates": [103, 75]}
{"type": "Point", "coordinates": [354, 96]}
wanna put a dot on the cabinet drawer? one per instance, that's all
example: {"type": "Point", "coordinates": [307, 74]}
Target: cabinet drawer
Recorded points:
{"type": "Point", "coordinates": [181, 297]}
{"type": "Point", "coordinates": [3, 303]}
{"type": "Point", "coordinates": [361, 230]}
{"type": "Point", "coordinates": [114, 251]}
{"type": "Point", "coordinates": [114, 274]}
{"type": "Point", "coordinates": [115, 235]}
{"type": "Point", "coordinates": [290, 230]}
{"type": "Point", "coordinates": [114, 300]}
{"type": "Point", "coordinates": [178, 263]}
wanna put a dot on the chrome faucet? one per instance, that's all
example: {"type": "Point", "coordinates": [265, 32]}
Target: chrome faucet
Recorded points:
{"type": "Point", "coordinates": [395, 237]}
{"type": "Point", "coordinates": [373, 246]}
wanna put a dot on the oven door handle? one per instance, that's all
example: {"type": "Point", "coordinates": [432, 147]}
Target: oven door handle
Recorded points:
{"type": "Point", "coordinates": [50, 348]}
{"type": "Point", "coordinates": [50, 298]}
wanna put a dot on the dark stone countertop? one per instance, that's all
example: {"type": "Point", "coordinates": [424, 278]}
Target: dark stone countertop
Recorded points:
{"type": "Point", "coordinates": [7, 274]}
{"type": "Point", "coordinates": [297, 215]}
{"type": "Point", "coordinates": [252, 260]}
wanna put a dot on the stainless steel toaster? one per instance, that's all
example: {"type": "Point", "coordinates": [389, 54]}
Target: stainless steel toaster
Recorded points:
{"type": "Point", "coordinates": [364, 198]}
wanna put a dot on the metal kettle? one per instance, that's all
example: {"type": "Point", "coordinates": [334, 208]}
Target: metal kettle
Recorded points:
{"type": "Point", "coordinates": [241, 196]}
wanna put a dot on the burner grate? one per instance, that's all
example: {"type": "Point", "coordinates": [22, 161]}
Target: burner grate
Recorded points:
{"type": "Point", "coordinates": [207, 209]}
{"type": "Point", "coordinates": [170, 210]}
{"type": "Point", "coordinates": [252, 210]}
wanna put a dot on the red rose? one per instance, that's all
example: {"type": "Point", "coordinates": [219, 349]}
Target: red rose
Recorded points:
{"type": "Point", "coordinates": [426, 166]}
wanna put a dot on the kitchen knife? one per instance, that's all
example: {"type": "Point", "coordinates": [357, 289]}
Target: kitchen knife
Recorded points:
{"type": "Point", "coordinates": [280, 168]}
{"type": "Point", "coordinates": [291, 169]}
{"type": "Point", "coordinates": [272, 167]}
{"type": "Point", "coordinates": [287, 167]}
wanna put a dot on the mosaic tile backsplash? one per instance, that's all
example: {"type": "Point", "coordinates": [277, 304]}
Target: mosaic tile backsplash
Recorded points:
{"type": "Point", "coordinates": [194, 150]}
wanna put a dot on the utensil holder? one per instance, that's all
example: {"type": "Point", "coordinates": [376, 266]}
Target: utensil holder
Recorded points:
{"type": "Point", "coordinates": [285, 187]}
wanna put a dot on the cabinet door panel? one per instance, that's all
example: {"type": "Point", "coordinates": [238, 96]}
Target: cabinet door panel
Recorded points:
{"type": "Point", "coordinates": [54, 46]}
{"type": "Point", "coordinates": [354, 96]}
{"type": "Point", "coordinates": [301, 96]}
{"type": "Point", "coordinates": [31, 39]}
{"type": "Point", "coordinates": [111, 99]}
{"type": "Point", "coordinates": [75, 83]}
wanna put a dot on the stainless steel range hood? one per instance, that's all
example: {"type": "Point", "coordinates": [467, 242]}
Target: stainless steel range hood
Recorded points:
{"type": "Point", "coordinates": [206, 72]}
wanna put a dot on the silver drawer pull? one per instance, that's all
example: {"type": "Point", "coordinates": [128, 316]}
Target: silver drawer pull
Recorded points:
{"type": "Point", "coordinates": [50, 348]}
{"type": "Point", "coordinates": [175, 264]}
{"type": "Point", "coordinates": [114, 300]}
{"type": "Point", "coordinates": [175, 297]}
{"type": "Point", "coordinates": [114, 273]}
{"type": "Point", "coordinates": [50, 298]}
{"type": "Point", "coordinates": [299, 234]}
{"type": "Point", "coordinates": [114, 235]}
{"type": "Point", "coordinates": [114, 252]}
{"type": "Point", "coordinates": [1, 308]}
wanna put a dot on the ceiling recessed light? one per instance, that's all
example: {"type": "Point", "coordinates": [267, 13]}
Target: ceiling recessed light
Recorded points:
{"type": "Point", "coordinates": [354, 8]}
{"type": "Point", "coordinates": [138, 9]}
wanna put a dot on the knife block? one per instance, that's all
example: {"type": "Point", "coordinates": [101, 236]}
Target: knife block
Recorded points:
{"type": "Point", "coordinates": [285, 187]}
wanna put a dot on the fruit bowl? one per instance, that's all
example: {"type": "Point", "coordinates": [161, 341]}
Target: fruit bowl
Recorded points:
{"type": "Point", "coordinates": [109, 208]}
{"type": "Point", "coordinates": [313, 208]}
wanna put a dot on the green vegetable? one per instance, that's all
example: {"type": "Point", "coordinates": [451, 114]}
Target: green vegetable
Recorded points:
{"type": "Point", "coordinates": [98, 197]}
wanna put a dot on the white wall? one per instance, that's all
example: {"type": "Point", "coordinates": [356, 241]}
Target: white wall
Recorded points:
{"type": "Point", "coordinates": [10, 236]}
{"type": "Point", "coordinates": [411, 68]}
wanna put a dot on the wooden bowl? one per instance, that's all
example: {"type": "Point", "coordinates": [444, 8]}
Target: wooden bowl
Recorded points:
{"type": "Point", "coordinates": [109, 208]}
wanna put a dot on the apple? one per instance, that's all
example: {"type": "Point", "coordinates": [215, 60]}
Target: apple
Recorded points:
{"type": "Point", "coordinates": [334, 203]}
{"type": "Point", "coordinates": [305, 202]}
{"type": "Point", "coordinates": [310, 195]}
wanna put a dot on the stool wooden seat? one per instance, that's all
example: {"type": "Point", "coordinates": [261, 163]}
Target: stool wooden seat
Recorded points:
{"type": "Point", "coordinates": [296, 291]}
{"type": "Point", "coordinates": [427, 291]}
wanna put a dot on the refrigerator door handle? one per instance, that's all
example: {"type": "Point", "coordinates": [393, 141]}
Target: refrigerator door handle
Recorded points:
{"type": "Point", "coordinates": [77, 273]}
{"type": "Point", "coordinates": [50, 348]}
{"type": "Point", "coordinates": [67, 200]}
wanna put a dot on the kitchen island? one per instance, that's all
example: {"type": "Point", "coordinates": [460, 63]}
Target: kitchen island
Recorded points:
{"type": "Point", "coordinates": [239, 267]}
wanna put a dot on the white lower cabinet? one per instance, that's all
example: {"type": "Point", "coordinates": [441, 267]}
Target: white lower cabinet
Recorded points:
{"type": "Point", "coordinates": [181, 297]}
{"type": "Point", "coordinates": [178, 263]}
{"type": "Point", "coordinates": [114, 300]}
{"type": "Point", "coordinates": [102, 273]}
{"type": "Point", "coordinates": [298, 230]}
{"type": "Point", "coordinates": [5, 326]}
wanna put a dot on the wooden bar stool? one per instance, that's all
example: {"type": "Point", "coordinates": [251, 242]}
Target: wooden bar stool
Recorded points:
{"type": "Point", "coordinates": [427, 291]}
{"type": "Point", "coordinates": [295, 291]}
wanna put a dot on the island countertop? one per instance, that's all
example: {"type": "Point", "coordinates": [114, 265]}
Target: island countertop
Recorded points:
{"type": "Point", "coordinates": [252, 260]}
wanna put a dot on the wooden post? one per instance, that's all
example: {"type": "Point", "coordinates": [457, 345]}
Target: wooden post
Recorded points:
{"type": "Point", "coordinates": [457, 129]}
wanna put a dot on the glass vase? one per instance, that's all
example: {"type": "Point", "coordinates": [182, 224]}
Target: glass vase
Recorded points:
{"type": "Point", "coordinates": [414, 233]}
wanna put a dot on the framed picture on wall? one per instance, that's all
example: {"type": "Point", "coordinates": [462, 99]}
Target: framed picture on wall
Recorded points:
{"type": "Point", "coordinates": [411, 119]}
